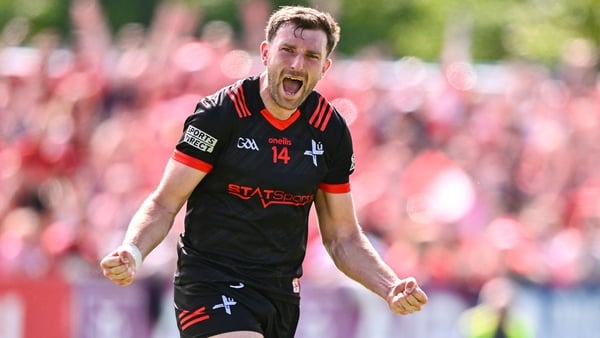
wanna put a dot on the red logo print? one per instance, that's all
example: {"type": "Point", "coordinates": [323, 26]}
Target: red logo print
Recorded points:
{"type": "Point", "coordinates": [269, 196]}
{"type": "Point", "coordinates": [189, 318]}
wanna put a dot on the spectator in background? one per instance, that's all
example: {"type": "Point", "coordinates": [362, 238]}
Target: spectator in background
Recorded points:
{"type": "Point", "coordinates": [526, 138]}
{"type": "Point", "coordinates": [494, 317]}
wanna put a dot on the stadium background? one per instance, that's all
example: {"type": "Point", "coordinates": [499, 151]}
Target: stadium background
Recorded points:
{"type": "Point", "coordinates": [475, 125]}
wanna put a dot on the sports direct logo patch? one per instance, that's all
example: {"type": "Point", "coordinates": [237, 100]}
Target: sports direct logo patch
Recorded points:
{"type": "Point", "coordinates": [199, 139]}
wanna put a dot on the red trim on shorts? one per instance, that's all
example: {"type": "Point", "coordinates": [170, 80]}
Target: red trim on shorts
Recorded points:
{"type": "Point", "coordinates": [191, 161]}
{"type": "Point", "coordinates": [188, 318]}
{"type": "Point", "coordinates": [335, 188]}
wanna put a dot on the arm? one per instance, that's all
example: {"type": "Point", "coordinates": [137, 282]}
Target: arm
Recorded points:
{"type": "Point", "coordinates": [354, 255]}
{"type": "Point", "coordinates": [152, 222]}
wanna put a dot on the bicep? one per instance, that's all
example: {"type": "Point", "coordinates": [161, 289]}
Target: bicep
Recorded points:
{"type": "Point", "coordinates": [176, 185]}
{"type": "Point", "coordinates": [336, 215]}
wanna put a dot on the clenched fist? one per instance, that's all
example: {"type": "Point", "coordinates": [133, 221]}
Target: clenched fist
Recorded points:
{"type": "Point", "coordinates": [121, 265]}
{"type": "Point", "coordinates": [406, 297]}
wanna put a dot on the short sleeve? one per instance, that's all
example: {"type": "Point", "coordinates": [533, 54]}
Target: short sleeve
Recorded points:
{"type": "Point", "coordinates": [204, 135]}
{"type": "Point", "coordinates": [341, 161]}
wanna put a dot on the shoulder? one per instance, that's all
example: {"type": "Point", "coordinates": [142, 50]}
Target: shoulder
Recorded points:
{"type": "Point", "coordinates": [323, 115]}
{"type": "Point", "coordinates": [226, 103]}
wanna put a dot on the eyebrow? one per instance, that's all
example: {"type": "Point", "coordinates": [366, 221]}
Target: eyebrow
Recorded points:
{"type": "Point", "coordinates": [308, 51]}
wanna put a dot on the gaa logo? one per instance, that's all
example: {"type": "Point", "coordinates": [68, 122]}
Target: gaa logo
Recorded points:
{"type": "Point", "coordinates": [247, 143]}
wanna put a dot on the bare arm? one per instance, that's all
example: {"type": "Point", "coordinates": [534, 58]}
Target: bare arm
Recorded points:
{"type": "Point", "coordinates": [354, 255]}
{"type": "Point", "coordinates": [152, 222]}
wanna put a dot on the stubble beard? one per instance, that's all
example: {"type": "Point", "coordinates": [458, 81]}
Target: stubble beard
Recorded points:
{"type": "Point", "coordinates": [276, 88]}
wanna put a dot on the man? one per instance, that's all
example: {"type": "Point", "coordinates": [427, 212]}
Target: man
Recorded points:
{"type": "Point", "coordinates": [252, 159]}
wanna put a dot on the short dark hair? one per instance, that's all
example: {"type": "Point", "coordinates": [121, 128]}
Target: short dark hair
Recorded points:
{"type": "Point", "coordinates": [304, 18]}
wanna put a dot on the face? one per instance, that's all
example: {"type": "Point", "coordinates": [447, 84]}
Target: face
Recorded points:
{"type": "Point", "coordinates": [296, 60]}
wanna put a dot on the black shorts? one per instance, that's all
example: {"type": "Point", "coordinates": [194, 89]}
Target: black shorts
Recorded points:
{"type": "Point", "coordinates": [204, 309]}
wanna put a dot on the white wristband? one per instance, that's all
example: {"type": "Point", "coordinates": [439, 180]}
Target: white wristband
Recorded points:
{"type": "Point", "coordinates": [135, 252]}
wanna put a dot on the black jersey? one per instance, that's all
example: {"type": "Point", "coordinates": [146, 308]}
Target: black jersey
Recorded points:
{"type": "Point", "coordinates": [248, 217]}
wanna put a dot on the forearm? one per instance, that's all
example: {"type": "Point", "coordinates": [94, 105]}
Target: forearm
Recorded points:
{"type": "Point", "coordinates": [356, 257]}
{"type": "Point", "coordinates": [150, 225]}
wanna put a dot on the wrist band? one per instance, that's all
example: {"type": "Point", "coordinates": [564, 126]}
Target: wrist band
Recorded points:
{"type": "Point", "coordinates": [135, 252]}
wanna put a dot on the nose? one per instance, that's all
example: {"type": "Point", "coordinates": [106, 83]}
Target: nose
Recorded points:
{"type": "Point", "coordinates": [297, 62]}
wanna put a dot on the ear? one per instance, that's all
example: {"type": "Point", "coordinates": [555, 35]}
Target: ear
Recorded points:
{"type": "Point", "coordinates": [326, 66]}
{"type": "Point", "coordinates": [264, 52]}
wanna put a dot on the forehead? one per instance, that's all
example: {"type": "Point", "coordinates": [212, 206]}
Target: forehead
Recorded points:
{"type": "Point", "coordinates": [311, 39]}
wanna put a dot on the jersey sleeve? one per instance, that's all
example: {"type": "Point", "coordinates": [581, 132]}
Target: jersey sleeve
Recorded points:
{"type": "Point", "coordinates": [203, 137]}
{"type": "Point", "coordinates": [341, 159]}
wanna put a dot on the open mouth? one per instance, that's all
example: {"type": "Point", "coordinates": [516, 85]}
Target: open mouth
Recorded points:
{"type": "Point", "coordinates": [291, 86]}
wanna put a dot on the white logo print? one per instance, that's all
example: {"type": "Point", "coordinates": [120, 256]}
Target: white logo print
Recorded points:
{"type": "Point", "coordinates": [247, 143]}
{"type": "Point", "coordinates": [227, 302]}
{"type": "Point", "coordinates": [317, 149]}
{"type": "Point", "coordinates": [199, 139]}
{"type": "Point", "coordinates": [238, 286]}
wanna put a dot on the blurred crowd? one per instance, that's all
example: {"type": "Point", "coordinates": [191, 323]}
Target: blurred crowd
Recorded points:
{"type": "Point", "coordinates": [465, 172]}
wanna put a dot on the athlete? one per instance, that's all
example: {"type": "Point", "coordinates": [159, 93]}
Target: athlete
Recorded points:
{"type": "Point", "coordinates": [252, 160]}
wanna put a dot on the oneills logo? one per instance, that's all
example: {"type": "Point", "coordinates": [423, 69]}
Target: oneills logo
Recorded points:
{"type": "Point", "coordinates": [269, 196]}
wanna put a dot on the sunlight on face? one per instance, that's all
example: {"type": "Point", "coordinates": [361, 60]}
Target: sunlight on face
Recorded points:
{"type": "Point", "coordinates": [296, 60]}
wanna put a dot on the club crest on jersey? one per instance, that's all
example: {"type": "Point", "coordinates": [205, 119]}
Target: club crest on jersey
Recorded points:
{"type": "Point", "coordinates": [317, 150]}
{"type": "Point", "coordinates": [199, 139]}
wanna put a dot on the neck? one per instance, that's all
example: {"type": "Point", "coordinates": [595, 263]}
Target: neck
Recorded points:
{"type": "Point", "coordinates": [274, 109]}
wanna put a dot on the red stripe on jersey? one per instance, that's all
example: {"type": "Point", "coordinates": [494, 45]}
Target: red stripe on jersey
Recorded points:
{"type": "Point", "coordinates": [242, 98]}
{"type": "Point", "coordinates": [327, 117]}
{"type": "Point", "coordinates": [236, 94]}
{"type": "Point", "coordinates": [316, 113]}
{"type": "Point", "coordinates": [192, 161]}
{"type": "Point", "coordinates": [321, 115]}
{"type": "Point", "coordinates": [335, 188]}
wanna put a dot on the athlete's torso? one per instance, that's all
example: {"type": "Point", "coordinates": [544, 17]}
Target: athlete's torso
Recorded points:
{"type": "Point", "coordinates": [248, 217]}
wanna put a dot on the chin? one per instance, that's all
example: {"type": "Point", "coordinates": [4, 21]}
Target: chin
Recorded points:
{"type": "Point", "coordinates": [289, 102]}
